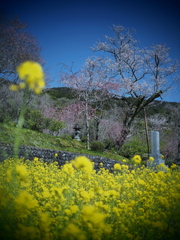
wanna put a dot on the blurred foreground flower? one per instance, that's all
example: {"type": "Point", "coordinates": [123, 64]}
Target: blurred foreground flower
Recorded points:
{"type": "Point", "coordinates": [83, 163]}
{"type": "Point", "coordinates": [22, 172]}
{"type": "Point", "coordinates": [32, 74]}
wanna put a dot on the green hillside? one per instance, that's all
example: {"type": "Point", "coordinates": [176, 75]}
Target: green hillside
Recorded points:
{"type": "Point", "coordinates": [42, 140]}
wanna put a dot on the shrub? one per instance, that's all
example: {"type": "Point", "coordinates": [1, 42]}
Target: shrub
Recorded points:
{"type": "Point", "coordinates": [83, 139]}
{"type": "Point", "coordinates": [133, 147]}
{"type": "Point", "coordinates": [97, 146]}
{"type": "Point", "coordinates": [55, 126]}
{"type": "Point", "coordinates": [35, 120]}
{"type": "Point", "coordinates": [108, 144]}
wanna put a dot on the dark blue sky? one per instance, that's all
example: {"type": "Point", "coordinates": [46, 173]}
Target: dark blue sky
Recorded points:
{"type": "Point", "coordinates": [67, 29]}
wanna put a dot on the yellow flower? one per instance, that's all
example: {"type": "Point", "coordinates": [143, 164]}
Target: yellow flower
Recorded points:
{"type": "Point", "coordinates": [174, 166]}
{"type": "Point", "coordinates": [137, 159]}
{"type": "Point", "coordinates": [32, 73]}
{"type": "Point", "coordinates": [125, 167]}
{"type": "Point", "coordinates": [22, 172]}
{"type": "Point", "coordinates": [68, 168]}
{"type": "Point", "coordinates": [74, 208]}
{"type": "Point", "coordinates": [29, 69]}
{"type": "Point", "coordinates": [73, 232]}
{"type": "Point", "coordinates": [97, 218]}
{"type": "Point", "coordinates": [14, 87]}
{"type": "Point", "coordinates": [68, 212]}
{"type": "Point", "coordinates": [9, 174]}
{"type": "Point", "coordinates": [151, 159]}
{"type": "Point", "coordinates": [85, 195]}
{"type": "Point", "coordinates": [117, 166]}
{"type": "Point", "coordinates": [22, 85]}
{"type": "Point", "coordinates": [141, 182]}
{"type": "Point", "coordinates": [26, 200]}
{"type": "Point", "coordinates": [88, 210]}
{"type": "Point", "coordinates": [44, 217]}
{"type": "Point", "coordinates": [56, 154]}
{"type": "Point", "coordinates": [46, 193]}
{"type": "Point", "coordinates": [83, 163]}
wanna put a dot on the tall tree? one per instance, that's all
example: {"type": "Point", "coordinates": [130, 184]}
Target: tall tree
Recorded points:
{"type": "Point", "coordinates": [142, 74]}
{"type": "Point", "coordinates": [16, 46]}
{"type": "Point", "coordinates": [91, 84]}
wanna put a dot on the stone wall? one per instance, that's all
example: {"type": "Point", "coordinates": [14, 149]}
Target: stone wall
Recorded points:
{"type": "Point", "coordinates": [6, 150]}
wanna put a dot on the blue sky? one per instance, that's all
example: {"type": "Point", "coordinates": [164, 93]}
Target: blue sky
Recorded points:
{"type": "Point", "coordinates": [67, 29]}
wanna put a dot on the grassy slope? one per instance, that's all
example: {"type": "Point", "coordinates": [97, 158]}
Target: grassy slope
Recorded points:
{"type": "Point", "coordinates": [41, 140]}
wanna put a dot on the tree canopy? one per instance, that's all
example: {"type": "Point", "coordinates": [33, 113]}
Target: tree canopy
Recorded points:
{"type": "Point", "coordinates": [16, 46]}
{"type": "Point", "coordinates": [134, 75]}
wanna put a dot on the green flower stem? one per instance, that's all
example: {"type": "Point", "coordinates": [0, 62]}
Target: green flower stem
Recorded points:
{"type": "Point", "coordinates": [20, 124]}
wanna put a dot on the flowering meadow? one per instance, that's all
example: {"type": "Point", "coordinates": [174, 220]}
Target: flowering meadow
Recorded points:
{"type": "Point", "coordinates": [73, 201]}
{"type": "Point", "coordinates": [45, 201]}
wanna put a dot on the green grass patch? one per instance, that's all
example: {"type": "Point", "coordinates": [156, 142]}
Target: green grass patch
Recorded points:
{"type": "Point", "coordinates": [42, 140]}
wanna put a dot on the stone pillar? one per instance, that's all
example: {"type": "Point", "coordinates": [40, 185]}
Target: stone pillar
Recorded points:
{"type": "Point", "coordinates": [155, 149]}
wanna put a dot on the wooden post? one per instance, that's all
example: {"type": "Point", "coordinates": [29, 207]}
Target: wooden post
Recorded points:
{"type": "Point", "coordinates": [146, 129]}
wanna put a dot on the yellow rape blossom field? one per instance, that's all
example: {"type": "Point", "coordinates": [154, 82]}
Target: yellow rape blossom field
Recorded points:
{"type": "Point", "coordinates": [45, 201]}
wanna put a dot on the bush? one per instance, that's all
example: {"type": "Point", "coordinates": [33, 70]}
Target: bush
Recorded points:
{"type": "Point", "coordinates": [35, 120]}
{"type": "Point", "coordinates": [83, 139]}
{"type": "Point", "coordinates": [133, 147]}
{"type": "Point", "coordinates": [97, 146]}
{"type": "Point", "coordinates": [55, 126]}
{"type": "Point", "coordinates": [108, 144]}
{"type": "Point", "coordinates": [9, 111]}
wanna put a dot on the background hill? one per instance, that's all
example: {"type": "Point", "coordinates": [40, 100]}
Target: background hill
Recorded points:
{"type": "Point", "coordinates": [57, 110]}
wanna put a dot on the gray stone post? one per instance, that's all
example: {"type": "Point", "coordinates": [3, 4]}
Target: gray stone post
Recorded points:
{"type": "Point", "coordinates": [155, 149]}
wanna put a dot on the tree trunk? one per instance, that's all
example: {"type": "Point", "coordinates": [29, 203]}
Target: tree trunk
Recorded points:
{"type": "Point", "coordinates": [97, 128]}
{"type": "Point", "coordinates": [132, 110]}
{"type": "Point", "coordinates": [124, 133]}
{"type": "Point", "coordinates": [87, 125]}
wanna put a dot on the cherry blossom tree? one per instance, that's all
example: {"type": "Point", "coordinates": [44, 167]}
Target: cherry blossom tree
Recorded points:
{"type": "Point", "coordinates": [112, 130]}
{"type": "Point", "coordinates": [142, 74]}
{"type": "Point", "coordinates": [16, 46]}
{"type": "Point", "coordinates": [91, 84]}
{"type": "Point", "coordinates": [70, 115]}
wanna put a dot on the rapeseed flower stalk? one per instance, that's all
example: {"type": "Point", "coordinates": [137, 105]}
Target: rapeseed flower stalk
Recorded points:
{"type": "Point", "coordinates": [32, 77]}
